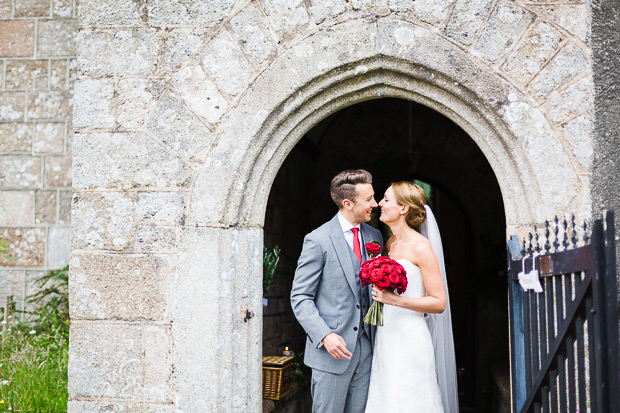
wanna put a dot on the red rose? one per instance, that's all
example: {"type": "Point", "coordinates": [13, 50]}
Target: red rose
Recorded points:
{"type": "Point", "coordinates": [394, 279]}
{"type": "Point", "coordinates": [376, 275]}
{"type": "Point", "coordinates": [373, 248]}
{"type": "Point", "coordinates": [383, 283]}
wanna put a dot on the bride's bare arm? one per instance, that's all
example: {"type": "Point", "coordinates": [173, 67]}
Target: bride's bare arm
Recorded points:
{"type": "Point", "coordinates": [435, 300]}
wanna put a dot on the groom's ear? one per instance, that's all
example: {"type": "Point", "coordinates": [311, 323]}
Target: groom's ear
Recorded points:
{"type": "Point", "coordinates": [347, 204]}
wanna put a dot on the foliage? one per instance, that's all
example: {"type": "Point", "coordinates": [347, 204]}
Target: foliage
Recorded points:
{"type": "Point", "coordinates": [34, 354]}
{"type": "Point", "coordinates": [271, 257]}
{"type": "Point", "coordinates": [301, 372]}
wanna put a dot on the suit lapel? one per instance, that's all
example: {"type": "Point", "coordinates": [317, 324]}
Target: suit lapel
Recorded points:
{"type": "Point", "coordinates": [342, 251]}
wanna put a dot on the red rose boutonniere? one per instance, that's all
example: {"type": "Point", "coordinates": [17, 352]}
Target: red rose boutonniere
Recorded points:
{"type": "Point", "coordinates": [373, 249]}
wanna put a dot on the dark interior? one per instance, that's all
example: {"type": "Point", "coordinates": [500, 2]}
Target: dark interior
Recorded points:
{"type": "Point", "coordinates": [395, 140]}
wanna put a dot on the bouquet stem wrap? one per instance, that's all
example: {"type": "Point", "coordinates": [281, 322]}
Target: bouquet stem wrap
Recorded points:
{"type": "Point", "coordinates": [374, 316]}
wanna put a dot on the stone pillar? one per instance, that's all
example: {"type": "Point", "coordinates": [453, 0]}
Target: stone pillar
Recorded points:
{"type": "Point", "coordinates": [37, 62]}
{"type": "Point", "coordinates": [606, 134]}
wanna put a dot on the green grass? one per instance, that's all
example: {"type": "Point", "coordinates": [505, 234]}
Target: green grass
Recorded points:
{"type": "Point", "coordinates": [34, 353]}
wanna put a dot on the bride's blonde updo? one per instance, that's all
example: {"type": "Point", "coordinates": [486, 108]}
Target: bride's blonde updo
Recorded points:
{"type": "Point", "coordinates": [412, 195]}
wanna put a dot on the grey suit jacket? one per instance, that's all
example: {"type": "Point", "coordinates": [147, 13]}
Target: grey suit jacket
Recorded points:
{"type": "Point", "coordinates": [324, 296]}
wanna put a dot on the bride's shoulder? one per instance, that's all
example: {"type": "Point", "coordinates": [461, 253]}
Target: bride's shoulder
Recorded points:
{"type": "Point", "coordinates": [420, 244]}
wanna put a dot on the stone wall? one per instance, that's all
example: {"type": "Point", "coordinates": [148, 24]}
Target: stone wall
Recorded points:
{"type": "Point", "coordinates": [185, 112]}
{"type": "Point", "coordinates": [38, 69]}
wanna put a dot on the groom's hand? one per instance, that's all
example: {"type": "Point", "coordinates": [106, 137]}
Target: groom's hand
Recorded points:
{"type": "Point", "coordinates": [335, 345]}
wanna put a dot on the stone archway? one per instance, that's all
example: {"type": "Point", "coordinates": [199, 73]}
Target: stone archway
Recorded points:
{"type": "Point", "coordinates": [230, 193]}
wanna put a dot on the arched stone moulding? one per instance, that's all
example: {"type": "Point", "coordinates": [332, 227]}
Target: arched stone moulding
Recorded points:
{"type": "Point", "coordinates": [294, 93]}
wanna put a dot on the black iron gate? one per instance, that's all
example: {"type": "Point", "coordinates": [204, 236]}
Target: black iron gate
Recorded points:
{"type": "Point", "coordinates": [564, 327]}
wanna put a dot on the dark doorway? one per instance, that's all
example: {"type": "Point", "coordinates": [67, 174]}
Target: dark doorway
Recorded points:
{"type": "Point", "coordinates": [395, 140]}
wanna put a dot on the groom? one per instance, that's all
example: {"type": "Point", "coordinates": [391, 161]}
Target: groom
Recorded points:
{"type": "Point", "coordinates": [330, 302]}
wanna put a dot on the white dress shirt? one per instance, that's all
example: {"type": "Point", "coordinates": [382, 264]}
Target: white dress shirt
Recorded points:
{"type": "Point", "coordinates": [346, 229]}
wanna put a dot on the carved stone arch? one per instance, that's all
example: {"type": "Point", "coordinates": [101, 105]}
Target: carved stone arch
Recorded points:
{"type": "Point", "coordinates": [278, 109]}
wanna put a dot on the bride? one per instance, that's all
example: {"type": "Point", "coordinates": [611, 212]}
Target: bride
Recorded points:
{"type": "Point", "coordinates": [413, 365]}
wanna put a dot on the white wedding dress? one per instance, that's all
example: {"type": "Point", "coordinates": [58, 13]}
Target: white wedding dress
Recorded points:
{"type": "Point", "coordinates": [403, 376]}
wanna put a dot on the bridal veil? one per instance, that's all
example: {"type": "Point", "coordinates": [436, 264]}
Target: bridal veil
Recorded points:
{"type": "Point", "coordinates": [440, 326]}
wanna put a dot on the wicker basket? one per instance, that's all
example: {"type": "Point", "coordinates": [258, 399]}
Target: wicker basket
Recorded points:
{"type": "Point", "coordinates": [276, 376]}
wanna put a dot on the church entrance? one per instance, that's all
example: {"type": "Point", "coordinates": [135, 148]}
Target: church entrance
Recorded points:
{"type": "Point", "coordinates": [396, 139]}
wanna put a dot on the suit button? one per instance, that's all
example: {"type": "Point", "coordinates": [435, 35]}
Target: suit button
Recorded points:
{"type": "Point", "coordinates": [354, 328]}
{"type": "Point", "coordinates": [358, 306]}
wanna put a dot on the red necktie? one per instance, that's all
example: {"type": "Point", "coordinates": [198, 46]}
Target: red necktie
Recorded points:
{"type": "Point", "coordinates": [356, 245]}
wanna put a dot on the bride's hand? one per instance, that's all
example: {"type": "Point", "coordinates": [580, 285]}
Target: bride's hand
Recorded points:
{"type": "Point", "coordinates": [385, 296]}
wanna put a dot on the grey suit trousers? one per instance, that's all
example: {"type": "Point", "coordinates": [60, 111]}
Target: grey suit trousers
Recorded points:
{"type": "Point", "coordinates": [346, 392]}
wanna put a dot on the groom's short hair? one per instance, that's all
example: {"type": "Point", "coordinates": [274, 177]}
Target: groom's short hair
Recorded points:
{"type": "Point", "coordinates": [343, 184]}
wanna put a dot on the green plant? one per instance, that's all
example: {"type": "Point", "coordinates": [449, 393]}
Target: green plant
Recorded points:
{"type": "Point", "coordinates": [301, 372]}
{"type": "Point", "coordinates": [271, 257]}
{"type": "Point", "coordinates": [34, 353]}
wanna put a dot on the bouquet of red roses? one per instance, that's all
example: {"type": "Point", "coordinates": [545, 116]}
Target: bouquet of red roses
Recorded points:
{"type": "Point", "coordinates": [385, 273]}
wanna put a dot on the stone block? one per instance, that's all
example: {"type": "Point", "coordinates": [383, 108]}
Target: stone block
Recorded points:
{"type": "Point", "coordinates": [122, 52]}
{"type": "Point", "coordinates": [361, 4]}
{"type": "Point", "coordinates": [26, 246]}
{"type": "Point", "coordinates": [111, 13]}
{"type": "Point", "coordinates": [576, 99]}
{"type": "Point", "coordinates": [165, 207]}
{"type": "Point", "coordinates": [58, 171]}
{"type": "Point", "coordinates": [467, 20]}
{"type": "Point", "coordinates": [16, 137]}
{"type": "Point", "coordinates": [58, 247]}
{"type": "Point", "coordinates": [32, 8]}
{"type": "Point", "coordinates": [503, 29]}
{"type": "Point", "coordinates": [16, 208]}
{"type": "Point", "coordinates": [188, 12]}
{"type": "Point", "coordinates": [58, 74]}
{"type": "Point", "coordinates": [6, 9]}
{"type": "Point", "coordinates": [49, 137]}
{"type": "Point", "coordinates": [45, 207]}
{"type": "Point", "coordinates": [94, 104]}
{"type": "Point", "coordinates": [96, 406]}
{"type": "Point", "coordinates": [179, 129]}
{"type": "Point", "coordinates": [432, 11]}
{"type": "Point", "coordinates": [63, 8]}
{"type": "Point", "coordinates": [13, 282]}
{"type": "Point", "coordinates": [219, 272]}
{"type": "Point", "coordinates": [131, 160]}
{"type": "Point", "coordinates": [180, 44]}
{"type": "Point", "coordinates": [49, 104]}
{"type": "Point", "coordinates": [322, 10]}
{"type": "Point", "coordinates": [286, 17]}
{"type": "Point", "coordinates": [200, 93]}
{"type": "Point", "coordinates": [57, 38]}
{"type": "Point", "coordinates": [108, 361]}
{"type": "Point", "coordinates": [250, 26]}
{"type": "Point", "coordinates": [64, 207]}
{"type": "Point", "coordinates": [12, 106]}
{"type": "Point", "coordinates": [400, 5]}
{"type": "Point", "coordinates": [73, 70]}
{"type": "Point", "coordinates": [536, 48]}
{"type": "Point", "coordinates": [223, 58]}
{"type": "Point", "coordinates": [20, 171]}
{"type": "Point", "coordinates": [16, 38]}
{"type": "Point", "coordinates": [102, 220]}
{"type": "Point", "coordinates": [578, 133]}
{"type": "Point", "coordinates": [136, 99]}
{"type": "Point", "coordinates": [152, 238]}
{"type": "Point", "coordinates": [570, 17]}
{"type": "Point", "coordinates": [21, 74]}
{"type": "Point", "coordinates": [568, 63]}
{"type": "Point", "coordinates": [119, 287]}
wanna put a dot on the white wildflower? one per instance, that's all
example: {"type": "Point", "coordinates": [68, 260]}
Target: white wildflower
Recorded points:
{"type": "Point", "coordinates": [5, 382]}
{"type": "Point", "coordinates": [32, 332]}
